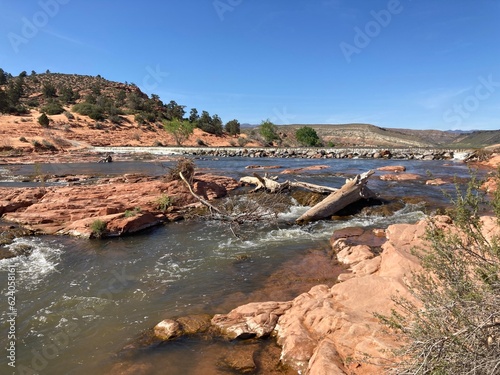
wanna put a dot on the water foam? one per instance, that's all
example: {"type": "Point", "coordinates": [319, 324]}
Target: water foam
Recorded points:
{"type": "Point", "coordinates": [40, 261]}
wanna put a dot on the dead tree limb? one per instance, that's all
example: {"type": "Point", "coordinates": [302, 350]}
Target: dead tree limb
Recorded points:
{"type": "Point", "coordinates": [353, 190]}
{"type": "Point", "coordinates": [312, 187]}
{"type": "Point", "coordinates": [272, 186]}
{"type": "Point", "coordinates": [202, 200]}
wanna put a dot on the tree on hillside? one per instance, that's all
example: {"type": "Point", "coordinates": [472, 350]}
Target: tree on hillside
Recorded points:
{"type": "Point", "coordinates": [3, 77]}
{"type": "Point", "coordinates": [67, 95]}
{"type": "Point", "coordinates": [210, 124]}
{"type": "Point", "coordinates": [233, 127]}
{"type": "Point", "coordinates": [194, 116]}
{"type": "Point", "coordinates": [268, 131]}
{"type": "Point", "coordinates": [4, 102]}
{"type": "Point", "coordinates": [456, 328]}
{"type": "Point", "coordinates": [49, 90]}
{"type": "Point", "coordinates": [217, 125]}
{"type": "Point", "coordinates": [174, 111]}
{"type": "Point", "coordinates": [179, 129]}
{"type": "Point", "coordinates": [307, 136]}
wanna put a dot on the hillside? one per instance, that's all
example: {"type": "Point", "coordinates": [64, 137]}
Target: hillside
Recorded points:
{"type": "Point", "coordinates": [92, 111]}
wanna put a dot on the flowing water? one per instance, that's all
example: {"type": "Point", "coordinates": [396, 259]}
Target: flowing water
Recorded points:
{"type": "Point", "coordinates": [80, 302]}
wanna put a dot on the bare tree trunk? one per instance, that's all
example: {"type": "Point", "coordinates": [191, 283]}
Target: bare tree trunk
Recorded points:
{"type": "Point", "coordinates": [353, 190]}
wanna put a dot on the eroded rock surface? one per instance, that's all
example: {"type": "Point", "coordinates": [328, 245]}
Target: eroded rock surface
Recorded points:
{"type": "Point", "coordinates": [123, 205]}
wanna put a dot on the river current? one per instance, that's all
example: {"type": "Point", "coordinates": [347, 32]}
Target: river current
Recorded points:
{"type": "Point", "coordinates": [79, 302]}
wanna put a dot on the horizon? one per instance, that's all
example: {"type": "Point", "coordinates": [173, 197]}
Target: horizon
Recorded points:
{"type": "Point", "coordinates": [393, 64]}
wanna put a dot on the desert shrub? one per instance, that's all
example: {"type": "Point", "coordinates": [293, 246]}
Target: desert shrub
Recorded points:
{"type": "Point", "coordinates": [53, 108]}
{"type": "Point", "coordinates": [115, 119]}
{"type": "Point", "coordinates": [94, 111]}
{"type": "Point", "coordinates": [23, 139]}
{"type": "Point", "coordinates": [163, 202]}
{"type": "Point", "coordinates": [242, 141]}
{"type": "Point", "coordinates": [98, 227]}
{"type": "Point", "coordinates": [132, 213]}
{"type": "Point", "coordinates": [48, 146]}
{"type": "Point", "coordinates": [43, 120]}
{"type": "Point", "coordinates": [69, 115]}
{"type": "Point", "coordinates": [456, 329]}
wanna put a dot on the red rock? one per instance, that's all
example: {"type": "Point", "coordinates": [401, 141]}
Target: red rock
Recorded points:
{"type": "Point", "coordinates": [400, 177]}
{"type": "Point", "coordinates": [73, 209]}
{"type": "Point", "coordinates": [392, 168]}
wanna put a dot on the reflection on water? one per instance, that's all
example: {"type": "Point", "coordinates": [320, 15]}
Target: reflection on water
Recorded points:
{"type": "Point", "coordinates": [80, 302]}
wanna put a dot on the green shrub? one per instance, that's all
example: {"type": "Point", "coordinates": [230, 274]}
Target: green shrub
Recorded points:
{"type": "Point", "coordinates": [94, 111]}
{"type": "Point", "coordinates": [98, 228]}
{"type": "Point", "coordinates": [43, 120]}
{"type": "Point", "coordinates": [132, 213]}
{"type": "Point", "coordinates": [163, 202]}
{"type": "Point", "coordinates": [53, 108]}
{"type": "Point", "coordinates": [268, 131]}
{"type": "Point", "coordinates": [456, 329]}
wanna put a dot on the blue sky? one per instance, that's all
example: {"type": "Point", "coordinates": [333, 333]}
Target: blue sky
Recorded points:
{"type": "Point", "coordinates": [422, 64]}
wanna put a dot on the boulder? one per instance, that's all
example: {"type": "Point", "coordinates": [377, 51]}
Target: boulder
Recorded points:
{"type": "Point", "coordinates": [167, 329]}
{"type": "Point", "coordinates": [252, 320]}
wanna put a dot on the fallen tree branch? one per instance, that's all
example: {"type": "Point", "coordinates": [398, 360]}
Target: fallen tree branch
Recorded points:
{"type": "Point", "coordinates": [353, 190]}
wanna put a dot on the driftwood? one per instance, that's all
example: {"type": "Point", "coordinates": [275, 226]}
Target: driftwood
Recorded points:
{"type": "Point", "coordinates": [353, 190]}
{"type": "Point", "coordinates": [272, 186]}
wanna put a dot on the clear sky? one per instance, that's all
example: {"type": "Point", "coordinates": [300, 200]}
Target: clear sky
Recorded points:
{"type": "Point", "coordinates": [422, 64]}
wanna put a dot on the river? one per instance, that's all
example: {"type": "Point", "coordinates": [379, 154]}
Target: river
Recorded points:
{"type": "Point", "coordinates": [78, 302]}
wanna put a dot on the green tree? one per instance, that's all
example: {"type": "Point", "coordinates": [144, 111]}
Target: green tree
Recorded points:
{"type": "Point", "coordinates": [194, 116]}
{"type": "Point", "coordinates": [43, 120]}
{"type": "Point", "coordinates": [49, 90]}
{"type": "Point", "coordinates": [268, 131]}
{"type": "Point", "coordinates": [67, 95]}
{"type": "Point", "coordinates": [307, 136]}
{"type": "Point", "coordinates": [174, 111]}
{"type": "Point", "coordinates": [456, 328]}
{"type": "Point", "coordinates": [3, 77]}
{"type": "Point", "coordinates": [179, 129]}
{"type": "Point", "coordinates": [233, 127]}
{"type": "Point", "coordinates": [4, 102]}
{"type": "Point", "coordinates": [216, 125]}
